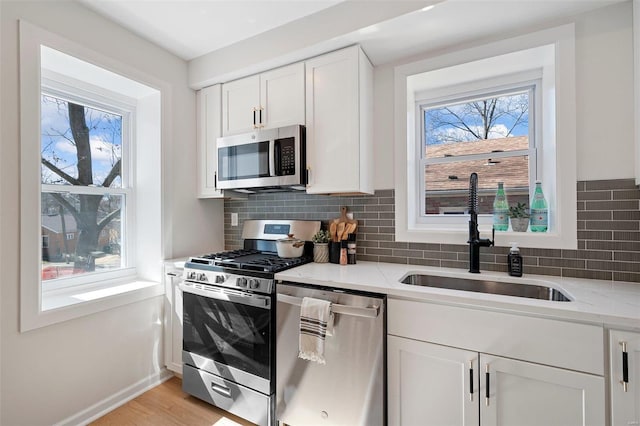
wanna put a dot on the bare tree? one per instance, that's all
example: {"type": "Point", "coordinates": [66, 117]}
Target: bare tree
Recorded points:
{"type": "Point", "coordinates": [86, 211]}
{"type": "Point", "coordinates": [476, 120]}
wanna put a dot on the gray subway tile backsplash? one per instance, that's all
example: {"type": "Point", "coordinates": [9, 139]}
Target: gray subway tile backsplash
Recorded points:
{"type": "Point", "coordinates": [608, 235]}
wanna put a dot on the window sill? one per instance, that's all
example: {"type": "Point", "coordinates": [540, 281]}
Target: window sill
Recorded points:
{"type": "Point", "coordinates": [438, 235]}
{"type": "Point", "coordinates": [70, 303]}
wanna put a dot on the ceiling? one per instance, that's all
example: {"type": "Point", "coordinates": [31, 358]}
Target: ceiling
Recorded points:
{"type": "Point", "coordinates": [193, 28]}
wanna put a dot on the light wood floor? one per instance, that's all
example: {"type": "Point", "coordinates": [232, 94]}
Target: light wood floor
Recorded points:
{"type": "Point", "coordinates": [166, 404]}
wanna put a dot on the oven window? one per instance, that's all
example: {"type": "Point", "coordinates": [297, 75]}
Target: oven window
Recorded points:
{"type": "Point", "coordinates": [243, 161]}
{"type": "Point", "coordinates": [233, 334]}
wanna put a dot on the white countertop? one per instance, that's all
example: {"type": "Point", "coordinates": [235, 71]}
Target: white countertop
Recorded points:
{"type": "Point", "coordinates": [611, 303]}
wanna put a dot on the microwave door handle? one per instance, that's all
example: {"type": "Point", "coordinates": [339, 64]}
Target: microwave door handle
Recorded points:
{"type": "Point", "coordinates": [272, 158]}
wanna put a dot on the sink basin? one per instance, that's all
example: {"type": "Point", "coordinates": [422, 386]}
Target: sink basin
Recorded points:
{"type": "Point", "coordinates": [531, 291]}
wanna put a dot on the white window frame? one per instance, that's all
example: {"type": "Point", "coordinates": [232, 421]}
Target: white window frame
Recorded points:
{"type": "Point", "coordinates": [485, 89]}
{"type": "Point", "coordinates": [72, 90]}
{"type": "Point", "coordinates": [549, 52]}
{"type": "Point", "coordinates": [41, 306]}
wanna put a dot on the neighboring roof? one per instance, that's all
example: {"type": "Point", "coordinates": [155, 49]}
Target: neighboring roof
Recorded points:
{"type": "Point", "coordinates": [513, 171]}
{"type": "Point", "coordinates": [54, 224]}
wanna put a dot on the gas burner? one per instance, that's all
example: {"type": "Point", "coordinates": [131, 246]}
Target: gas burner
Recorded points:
{"type": "Point", "coordinates": [229, 255]}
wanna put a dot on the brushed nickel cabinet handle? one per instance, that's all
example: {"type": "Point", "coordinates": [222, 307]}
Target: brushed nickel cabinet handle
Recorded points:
{"type": "Point", "coordinates": [471, 381]}
{"type": "Point", "coordinates": [625, 367]}
{"type": "Point", "coordinates": [487, 385]}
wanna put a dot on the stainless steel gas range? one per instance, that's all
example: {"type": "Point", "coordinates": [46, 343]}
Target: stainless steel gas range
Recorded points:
{"type": "Point", "coordinates": [229, 320]}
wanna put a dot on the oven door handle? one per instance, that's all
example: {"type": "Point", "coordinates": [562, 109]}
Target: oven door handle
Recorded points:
{"type": "Point", "coordinates": [233, 296]}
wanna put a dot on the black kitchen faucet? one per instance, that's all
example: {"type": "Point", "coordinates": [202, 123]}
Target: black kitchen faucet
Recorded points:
{"type": "Point", "coordinates": [475, 242]}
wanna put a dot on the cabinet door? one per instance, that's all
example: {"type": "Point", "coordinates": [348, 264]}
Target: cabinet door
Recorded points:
{"type": "Point", "coordinates": [209, 124]}
{"type": "Point", "coordinates": [526, 394]}
{"type": "Point", "coordinates": [625, 401]}
{"type": "Point", "coordinates": [239, 99]}
{"type": "Point", "coordinates": [282, 96]}
{"type": "Point", "coordinates": [430, 384]}
{"type": "Point", "coordinates": [173, 321]}
{"type": "Point", "coordinates": [333, 122]}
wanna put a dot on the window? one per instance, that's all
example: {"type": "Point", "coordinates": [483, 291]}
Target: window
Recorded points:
{"type": "Point", "coordinates": [505, 111]}
{"type": "Point", "coordinates": [90, 166]}
{"type": "Point", "coordinates": [491, 135]}
{"type": "Point", "coordinates": [84, 183]}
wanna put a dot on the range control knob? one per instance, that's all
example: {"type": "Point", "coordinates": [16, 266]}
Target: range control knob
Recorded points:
{"type": "Point", "coordinates": [253, 284]}
{"type": "Point", "coordinates": [202, 277]}
{"type": "Point", "coordinates": [219, 279]}
{"type": "Point", "coordinates": [242, 282]}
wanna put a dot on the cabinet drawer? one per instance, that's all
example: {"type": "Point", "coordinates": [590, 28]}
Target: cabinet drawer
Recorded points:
{"type": "Point", "coordinates": [551, 342]}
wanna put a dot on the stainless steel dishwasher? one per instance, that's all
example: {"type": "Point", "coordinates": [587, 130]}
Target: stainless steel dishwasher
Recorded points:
{"type": "Point", "coordinates": [350, 388]}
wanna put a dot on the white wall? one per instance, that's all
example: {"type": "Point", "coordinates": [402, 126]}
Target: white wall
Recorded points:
{"type": "Point", "coordinates": [295, 41]}
{"type": "Point", "coordinates": [54, 372]}
{"type": "Point", "coordinates": [604, 104]}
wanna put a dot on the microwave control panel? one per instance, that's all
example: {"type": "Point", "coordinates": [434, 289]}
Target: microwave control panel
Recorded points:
{"type": "Point", "coordinates": [287, 156]}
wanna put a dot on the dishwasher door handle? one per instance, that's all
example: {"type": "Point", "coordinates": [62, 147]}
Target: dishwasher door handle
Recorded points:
{"type": "Point", "coordinates": [355, 311]}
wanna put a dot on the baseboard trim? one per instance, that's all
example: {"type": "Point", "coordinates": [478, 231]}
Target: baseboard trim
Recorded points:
{"type": "Point", "coordinates": [114, 401]}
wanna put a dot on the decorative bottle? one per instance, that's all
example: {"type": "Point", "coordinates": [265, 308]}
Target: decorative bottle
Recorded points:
{"type": "Point", "coordinates": [539, 210]}
{"type": "Point", "coordinates": [514, 261]}
{"type": "Point", "coordinates": [500, 210]}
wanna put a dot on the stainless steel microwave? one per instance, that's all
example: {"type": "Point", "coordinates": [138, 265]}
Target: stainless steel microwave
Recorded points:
{"type": "Point", "coordinates": [269, 159]}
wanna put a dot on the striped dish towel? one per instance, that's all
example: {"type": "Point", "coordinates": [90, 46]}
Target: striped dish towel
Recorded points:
{"type": "Point", "coordinates": [316, 322]}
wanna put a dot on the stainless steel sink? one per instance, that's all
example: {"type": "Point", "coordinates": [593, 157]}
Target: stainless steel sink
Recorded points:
{"type": "Point", "coordinates": [483, 286]}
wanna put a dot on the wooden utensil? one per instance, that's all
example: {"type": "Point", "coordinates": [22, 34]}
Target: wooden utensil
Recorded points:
{"type": "Point", "coordinates": [341, 227]}
{"type": "Point", "coordinates": [333, 231]}
{"type": "Point", "coordinates": [349, 229]}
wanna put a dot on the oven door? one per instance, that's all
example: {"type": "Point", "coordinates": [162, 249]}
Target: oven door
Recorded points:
{"type": "Point", "coordinates": [229, 333]}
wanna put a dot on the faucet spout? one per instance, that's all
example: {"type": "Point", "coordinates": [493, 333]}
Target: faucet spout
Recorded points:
{"type": "Point", "coordinates": [475, 242]}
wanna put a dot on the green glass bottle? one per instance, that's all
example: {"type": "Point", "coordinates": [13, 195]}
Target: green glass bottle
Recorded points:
{"type": "Point", "coordinates": [500, 210]}
{"type": "Point", "coordinates": [539, 210]}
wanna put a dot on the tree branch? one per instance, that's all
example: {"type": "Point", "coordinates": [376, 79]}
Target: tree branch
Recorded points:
{"type": "Point", "coordinates": [113, 174]}
{"type": "Point", "coordinates": [108, 218]}
{"type": "Point", "coordinates": [67, 205]}
{"type": "Point", "coordinates": [516, 123]}
{"type": "Point", "coordinates": [467, 128]}
{"type": "Point", "coordinates": [59, 172]}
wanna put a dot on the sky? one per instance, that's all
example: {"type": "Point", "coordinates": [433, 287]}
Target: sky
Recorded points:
{"type": "Point", "coordinates": [442, 123]}
{"type": "Point", "coordinates": [105, 140]}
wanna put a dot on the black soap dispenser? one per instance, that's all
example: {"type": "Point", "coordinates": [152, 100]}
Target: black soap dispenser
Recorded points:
{"type": "Point", "coordinates": [514, 261]}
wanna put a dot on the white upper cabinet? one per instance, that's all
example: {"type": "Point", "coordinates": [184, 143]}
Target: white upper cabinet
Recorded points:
{"type": "Point", "coordinates": [209, 128]}
{"type": "Point", "coordinates": [282, 96]}
{"type": "Point", "coordinates": [339, 108]}
{"type": "Point", "coordinates": [624, 374]}
{"type": "Point", "coordinates": [272, 99]}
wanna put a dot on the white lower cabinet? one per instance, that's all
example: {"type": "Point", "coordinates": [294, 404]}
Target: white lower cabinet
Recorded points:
{"type": "Point", "coordinates": [625, 377]}
{"type": "Point", "coordinates": [430, 384]}
{"type": "Point", "coordinates": [450, 365]}
{"type": "Point", "coordinates": [437, 385]}
{"type": "Point", "coordinates": [525, 394]}
{"type": "Point", "coordinates": [172, 319]}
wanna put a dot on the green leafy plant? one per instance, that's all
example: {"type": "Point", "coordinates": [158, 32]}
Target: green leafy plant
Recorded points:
{"type": "Point", "coordinates": [321, 237]}
{"type": "Point", "coordinates": [519, 211]}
